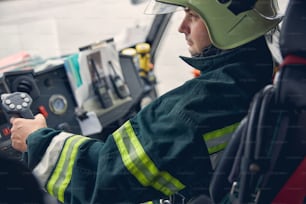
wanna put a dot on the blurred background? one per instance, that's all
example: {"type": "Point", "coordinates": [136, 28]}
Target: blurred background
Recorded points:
{"type": "Point", "coordinates": [52, 28]}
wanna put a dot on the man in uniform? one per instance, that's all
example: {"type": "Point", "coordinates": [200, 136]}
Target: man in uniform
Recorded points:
{"type": "Point", "coordinates": [173, 144]}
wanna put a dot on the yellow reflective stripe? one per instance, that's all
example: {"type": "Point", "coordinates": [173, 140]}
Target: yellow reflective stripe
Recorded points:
{"type": "Point", "coordinates": [165, 183]}
{"type": "Point", "coordinates": [221, 135]}
{"type": "Point", "coordinates": [217, 148]}
{"type": "Point", "coordinates": [127, 160]}
{"type": "Point", "coordinates": [59, 167]}
{"type": "Point", "coordinates": [61, 177]}
{"type": "Point", "coordinates": [68, 173]}
{"type": "Point", "coordinates": [163, 180]}
{"type": "Point", "coordinates": [220, 132]}
{"type": "Point", "coordinates": [46, 166]}
{"type": "Point", "coordinates": [139, 163]}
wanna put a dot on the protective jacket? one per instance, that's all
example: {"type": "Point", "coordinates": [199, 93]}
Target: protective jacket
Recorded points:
{"type": "Point", "coordinates": [168, 147]}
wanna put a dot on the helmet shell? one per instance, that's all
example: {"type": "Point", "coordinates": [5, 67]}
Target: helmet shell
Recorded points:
{"type": "Point", "coordinates": [229, 30]}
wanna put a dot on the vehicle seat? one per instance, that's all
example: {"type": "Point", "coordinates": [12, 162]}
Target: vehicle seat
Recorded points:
{"type": "Point", "coordinates": [17, 183]}
{"type": "Point", "coordinates": [265, 160]}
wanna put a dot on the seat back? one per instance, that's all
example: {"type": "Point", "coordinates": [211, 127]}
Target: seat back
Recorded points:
{"type": "Point", "coordinates": [265, 160]}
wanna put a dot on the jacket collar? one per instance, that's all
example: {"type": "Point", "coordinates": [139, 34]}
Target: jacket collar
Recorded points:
{"type": "Point", "coordinates": [210, 62]}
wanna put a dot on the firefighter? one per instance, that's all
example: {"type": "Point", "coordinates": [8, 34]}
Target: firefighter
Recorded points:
{"type": "Point", "coordinates": [173, 144]}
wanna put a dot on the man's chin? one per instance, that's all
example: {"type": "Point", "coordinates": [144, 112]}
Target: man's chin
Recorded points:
{"type": "Point", "coordinates": [193, 53]}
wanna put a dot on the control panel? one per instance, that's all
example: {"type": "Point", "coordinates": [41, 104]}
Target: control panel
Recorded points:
{"type": "Point", "coordinates": [25, 93]}
{"type": "Point", "coordinates": [49, 92]}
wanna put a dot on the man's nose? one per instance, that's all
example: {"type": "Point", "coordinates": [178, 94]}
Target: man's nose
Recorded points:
{"type": "Point", "coordinates": [183, 28]}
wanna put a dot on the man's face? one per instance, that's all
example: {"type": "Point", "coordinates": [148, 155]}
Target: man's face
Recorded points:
{"type": "Point", "coordinates": [195, 31]}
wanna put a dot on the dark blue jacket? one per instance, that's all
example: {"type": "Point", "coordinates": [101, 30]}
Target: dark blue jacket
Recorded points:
{"type": "Point", "coordinates": [171, 146]}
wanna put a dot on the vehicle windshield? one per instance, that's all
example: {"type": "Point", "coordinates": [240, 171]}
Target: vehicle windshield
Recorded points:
{"type": "Point", "coordinates": [55, 28]}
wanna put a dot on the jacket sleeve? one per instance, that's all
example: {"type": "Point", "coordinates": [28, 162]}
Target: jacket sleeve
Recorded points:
{"type": "Point", "coordinates": [132, 165]}
{"type": "Point", "coordinates": [38, 143]}
{"type": "Point", "coordinates": [78, 169]}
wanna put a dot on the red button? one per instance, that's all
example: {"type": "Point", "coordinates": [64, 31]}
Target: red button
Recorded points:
{"type": "Point", "coordinates": [6, 131]}
{"type": "Point", "coordinates": [43, 111]}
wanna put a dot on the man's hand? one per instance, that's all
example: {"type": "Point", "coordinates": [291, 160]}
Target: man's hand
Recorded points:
{"type": "Point", "coordinates": [22, 128]}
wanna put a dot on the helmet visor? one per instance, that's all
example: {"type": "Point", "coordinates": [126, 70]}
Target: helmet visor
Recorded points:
{"type": "Point", "coordinates": [154, 8]}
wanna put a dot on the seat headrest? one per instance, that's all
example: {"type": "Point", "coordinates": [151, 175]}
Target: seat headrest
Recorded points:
{"type": "Point", "coordinates": [293, 32]}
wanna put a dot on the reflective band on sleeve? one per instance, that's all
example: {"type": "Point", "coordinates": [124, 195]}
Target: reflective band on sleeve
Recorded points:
{"type": "Point", "coordinates": [217, 140]}
{"type": "Point", "coordinates": [61, 176]}
{"type": "Point", "coordinates": [43, 170]}
{"type": "Point", "coordinates": [149, 202]}
{"type": "Point", "coordinates": [140, 165]}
